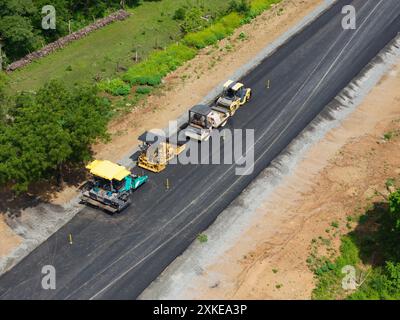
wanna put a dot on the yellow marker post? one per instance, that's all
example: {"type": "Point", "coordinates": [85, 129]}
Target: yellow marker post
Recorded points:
{"type": "Point", "coordinates": [268, 84]}
{"type": "Point", "coordinates": [167, 184]}
{"type": "Point", "coordinates": [70, 238]}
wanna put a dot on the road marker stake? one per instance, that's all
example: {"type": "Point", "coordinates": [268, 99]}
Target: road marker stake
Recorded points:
{"type": "Point", "coordinates": [70, 238]}
{"type": "Point", "coordinates": [167, 184]}
{"type": "Point", "coordinates": [268, 84]}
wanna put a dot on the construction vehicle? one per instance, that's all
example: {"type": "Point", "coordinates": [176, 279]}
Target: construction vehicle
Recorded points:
{"type": "Point", "coordinates": [111, 186]}
{"type": "Point", "coordinates": [157, 151]}
{"type": "Point", "coordinates": [233, 96]}
{"type": "Point", "coordinates": [203, 119]}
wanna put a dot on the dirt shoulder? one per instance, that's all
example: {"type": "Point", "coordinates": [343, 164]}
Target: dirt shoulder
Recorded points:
{"type": "Point", "coordinates": [8, 239]}
{"type": "Point", "coordinates": [181, 89]}
{"type": "Point", "coordinates": [340, 176]}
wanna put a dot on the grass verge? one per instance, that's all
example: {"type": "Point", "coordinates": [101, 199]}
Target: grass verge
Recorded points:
{"type": "Point", "coordinates": [151, 71]}
{"type": "Point", "coordinates": [108, 52]}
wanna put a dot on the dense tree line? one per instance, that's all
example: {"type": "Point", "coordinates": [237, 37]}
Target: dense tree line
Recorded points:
{"type": "Point", "coordinates": [21, 21]}
{"type": "Point", "coordinates": [41, 133]}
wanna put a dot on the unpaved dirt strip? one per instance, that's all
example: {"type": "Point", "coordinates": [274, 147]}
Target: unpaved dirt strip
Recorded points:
{"type": "Point", "coordinates": [8, 239]}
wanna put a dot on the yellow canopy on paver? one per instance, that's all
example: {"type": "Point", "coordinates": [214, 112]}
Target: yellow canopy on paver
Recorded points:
{"type": "Point", "coordinates": [107, 170]}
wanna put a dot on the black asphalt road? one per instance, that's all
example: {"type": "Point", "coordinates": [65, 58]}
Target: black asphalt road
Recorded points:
{"type": "Point", "coordinates": [118, 257]}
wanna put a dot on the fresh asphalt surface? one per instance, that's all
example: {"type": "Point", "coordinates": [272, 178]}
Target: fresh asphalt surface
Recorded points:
{"type": "Point", "coordinates": [117, 257]}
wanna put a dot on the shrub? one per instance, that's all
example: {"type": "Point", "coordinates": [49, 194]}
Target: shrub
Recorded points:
{"type": "Point", "coordinates": [258, 6]}
{"type": "Point", "coordinates": [202, 238]}
{"type": "Point", "coordinates": [216, 32]}
{"type": "Point", "coordinates": [242, 6]}
{"type": "Point", "coordinates": [232, 21]}
{"type": "Point", "coordinates": [246, 20]}
{"type": "Point", "coordinates": [179, 14]}
{"type": "Point", "coordinates": [193, 21]}
{"type": "Point", "coordinates": [116, 87]}
{"type": "Point", "coordinates": [388, 136]}
{"type": "Point", "coordinates": [335, 224]}
{"type": "Point", "coordinates": [143, 90]}
{"type": "Point", "coordinates": [394, 208]}
{"type": "Point", "coordinates": [242, 36]}
{"type": "Point", "coordinates": [158, 65]}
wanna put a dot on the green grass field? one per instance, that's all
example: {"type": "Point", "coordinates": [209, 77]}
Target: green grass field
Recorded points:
{"type": "Point", "coordinates": [106, 52]}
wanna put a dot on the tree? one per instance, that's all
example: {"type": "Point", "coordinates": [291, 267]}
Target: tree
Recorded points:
{"type": "Point", "coordinates": [18, 36]}
{"type": "Point", "coordinates": [16, 28]}
{"type": "Point", "coordinates": [3, 98]}
{"type": "Point", "coordinates": [50, 130]}
{"type": "Point", "coordinates": [17, 7]}
{"type": "Point", "coordinates": [20, 21]}
{"type": "Point", "coordinates": [193, 20]}
{"type": "Point", "coordinates": [3, 84]}
{"type": "Point", "coordinates": [394, 208]}
{"type": "Point", "coordinates": [179, 14]}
